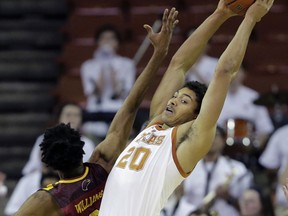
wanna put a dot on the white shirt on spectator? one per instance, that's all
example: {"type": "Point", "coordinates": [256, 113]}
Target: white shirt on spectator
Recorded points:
{"type": "Point", "coordinates": [275, 156]}
{"type": "Point", "coordinates": [25, 187]}
{"type": "Point", "coordinates": [91, 70]}
{"type": "Point", "coordinates": [240, 105]}
{"type": "Point", "coordinates": [194, 185]}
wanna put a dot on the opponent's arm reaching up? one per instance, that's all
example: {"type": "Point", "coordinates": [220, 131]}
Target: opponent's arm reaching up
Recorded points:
{"type": "Point", "coordinates": [186, 56]}
{"type": "Point", "coordinates": [202, 130]}
{"type": "Point", "coordinates": [121, 126]}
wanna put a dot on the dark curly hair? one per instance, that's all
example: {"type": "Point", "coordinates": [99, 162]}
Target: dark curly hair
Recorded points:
{"type": "Point", "coordinates": [62, 148]}
{"type": "Point", "coordinates": [199, 89]}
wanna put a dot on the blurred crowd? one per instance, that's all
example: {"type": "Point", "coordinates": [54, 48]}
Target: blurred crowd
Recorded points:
{"type": "Point", "coordinates": [242, 174]}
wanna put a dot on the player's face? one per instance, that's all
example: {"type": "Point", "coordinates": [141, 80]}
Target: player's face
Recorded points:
{"type": "Point", "coordinates": [180, 108]}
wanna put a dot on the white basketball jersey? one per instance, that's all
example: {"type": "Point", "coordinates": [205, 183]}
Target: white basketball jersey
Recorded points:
{"type": "Point", "coordinates": [144, 175]}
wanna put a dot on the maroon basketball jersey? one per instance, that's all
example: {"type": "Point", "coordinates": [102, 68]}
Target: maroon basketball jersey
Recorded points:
{"type": "Point", "coordinates": [81, 195]}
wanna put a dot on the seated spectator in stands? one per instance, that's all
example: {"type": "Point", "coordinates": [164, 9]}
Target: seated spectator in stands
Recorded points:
{"type": "Point", "coordinates": [214, 185]}
{"type": "Point", "coordinates": [239, 104]}
{"type": "Point", "coordinates": [285, 186]}
{"type": "Point", "coordinates": [275, 159]}
{"type": "Point", "coordinates": [66, 113]}
{"type": "Point", "coordinates": [253, 202]}
{"type": "Point", "coordinates": [107, 78]}
{"type": "Point", "coordinates": [27, 185]}
{"type": "Point", "coordinates": [3, 187]}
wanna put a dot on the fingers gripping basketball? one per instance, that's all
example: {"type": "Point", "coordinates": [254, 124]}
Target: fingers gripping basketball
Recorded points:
{"type": "Point", "coordinates": [239, 6]}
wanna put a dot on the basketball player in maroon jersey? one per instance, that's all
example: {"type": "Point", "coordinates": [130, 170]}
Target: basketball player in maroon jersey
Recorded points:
{"type": "Point", "coordinates": [81, 185]}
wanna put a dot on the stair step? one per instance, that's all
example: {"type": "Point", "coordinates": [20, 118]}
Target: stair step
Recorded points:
{"type": "Point", "coordinates": [28, 55]}
{"type": "Point", "coordinates": [23, 119]}
{"type": "Point", "coordinates": [12, 159]}
{"type": "Point", "coordinates": [26, 102]}
{"type": "Point", "coordinates": [36, 39]}
{"type": "Point", "coordinates": [19, 136]}
{"type": "Point", "coordinates": [29, 71]}
{"type": "Point", "coordinates": [41, 7]}
{"type": "Point", "coordinates": [31, 24]}
{"type": "Point", "coordinates": [23, 87]}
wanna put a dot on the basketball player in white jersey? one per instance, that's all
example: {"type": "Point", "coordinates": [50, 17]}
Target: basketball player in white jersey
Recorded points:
{"type": "Point", "coordinates": [181, 130]}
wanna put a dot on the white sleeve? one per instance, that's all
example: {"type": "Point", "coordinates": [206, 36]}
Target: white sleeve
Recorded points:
{"type": "Point", "coordinates": [88, 148]}
{"type": "Point", "coordinates": [263, 121]}
{"type": "Point", "coordinates": [243, 180]}
{"type": "Point", "coordinates": [271, 156]}
{"type": "Point", "coordinates": [25, 187]}
{"type": "Point", "coordinates": [89, 74]}
{"type": "Point", "coordinates": [128, 73]}
{"type": "Point", "coordinates": [34, 162]}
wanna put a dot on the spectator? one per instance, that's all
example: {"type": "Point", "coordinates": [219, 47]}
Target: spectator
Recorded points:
{"type": "Point", "coordinates": [253, 202]}
{"type": "Point", "coordinates": [251, 124]}
{"type": "Point", "coordinates": [215, 184]}
{"type": "Point", "coordinates": [275, 159]}
{"type": "Point", "coordinates": [3, 187]}
{"type": "Point", "coordinates": [180, 133]}
{"type": "Point", "coordinates": [107, 78]}
{"type": "Point", "coordinates": [27, 185]}
{"type": "Point", "coordinates": [80, 190]}
{"type": "Point", "coordinates": [67, 113]}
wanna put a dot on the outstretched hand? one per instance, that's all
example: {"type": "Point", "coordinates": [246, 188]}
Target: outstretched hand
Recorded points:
{"type": "Point", "coordinates": [225, 10]}
{"type": "Point", "coordinates": [161, 40]}
{"type": "Point", "coordinates": [259, 9]}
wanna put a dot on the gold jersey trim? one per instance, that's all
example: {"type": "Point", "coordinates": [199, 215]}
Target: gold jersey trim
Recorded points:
{"type": "Point", "coordinates": [65, 181]}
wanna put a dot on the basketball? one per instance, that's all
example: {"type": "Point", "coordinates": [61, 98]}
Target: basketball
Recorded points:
{"type": "Point", "coordinates": [239, 6]}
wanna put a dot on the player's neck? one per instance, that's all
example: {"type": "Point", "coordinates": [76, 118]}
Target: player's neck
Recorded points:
{"type": "Point", "coordinates": [164, 126]}
{"type": "Point", "coordinates": [78, 171]}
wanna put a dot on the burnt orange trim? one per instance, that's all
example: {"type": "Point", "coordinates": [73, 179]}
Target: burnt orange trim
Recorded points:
{"type": "Point", "coordinates": [159, 127]}
{"type": "Point", "coordinates": [174, 154]}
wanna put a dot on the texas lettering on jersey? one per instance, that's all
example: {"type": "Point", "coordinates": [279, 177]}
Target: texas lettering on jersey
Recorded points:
{"type": "Point", "coordinates": [151, 139]}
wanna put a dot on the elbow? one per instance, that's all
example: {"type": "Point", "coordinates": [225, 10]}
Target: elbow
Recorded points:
{"type": "Point", "coordinates": [176, 64]}
{"type": "Point", "coordinates": [228, 67]}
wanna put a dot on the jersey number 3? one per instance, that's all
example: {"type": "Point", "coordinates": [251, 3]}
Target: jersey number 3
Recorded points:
{"type": "Point", "coordinates": [139, 157]}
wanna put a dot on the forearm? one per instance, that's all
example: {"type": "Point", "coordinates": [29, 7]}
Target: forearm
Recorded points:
{"type": "Point", "coordinates": [183, 60]}
{"type": "Point", "coordinates": [126, 115]}
{"type": "Point", "coordinates": [232, 57]}
{"type": "Point", "coordinates": [144, 80]}
{"type": "Point", "coordinates": [193, 47]}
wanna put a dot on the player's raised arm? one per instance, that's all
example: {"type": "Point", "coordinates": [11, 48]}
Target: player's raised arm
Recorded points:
{"type": "Point", "coordinates": [186, 56]}
{"type": "Point", "coordinates": [122, 123]}
{"type": "Point", "coordinates": [203, 128]}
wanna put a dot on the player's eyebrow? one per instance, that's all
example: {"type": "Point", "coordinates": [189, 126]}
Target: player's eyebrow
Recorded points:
{"type": "Point", "coordinates": [188, 96]}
